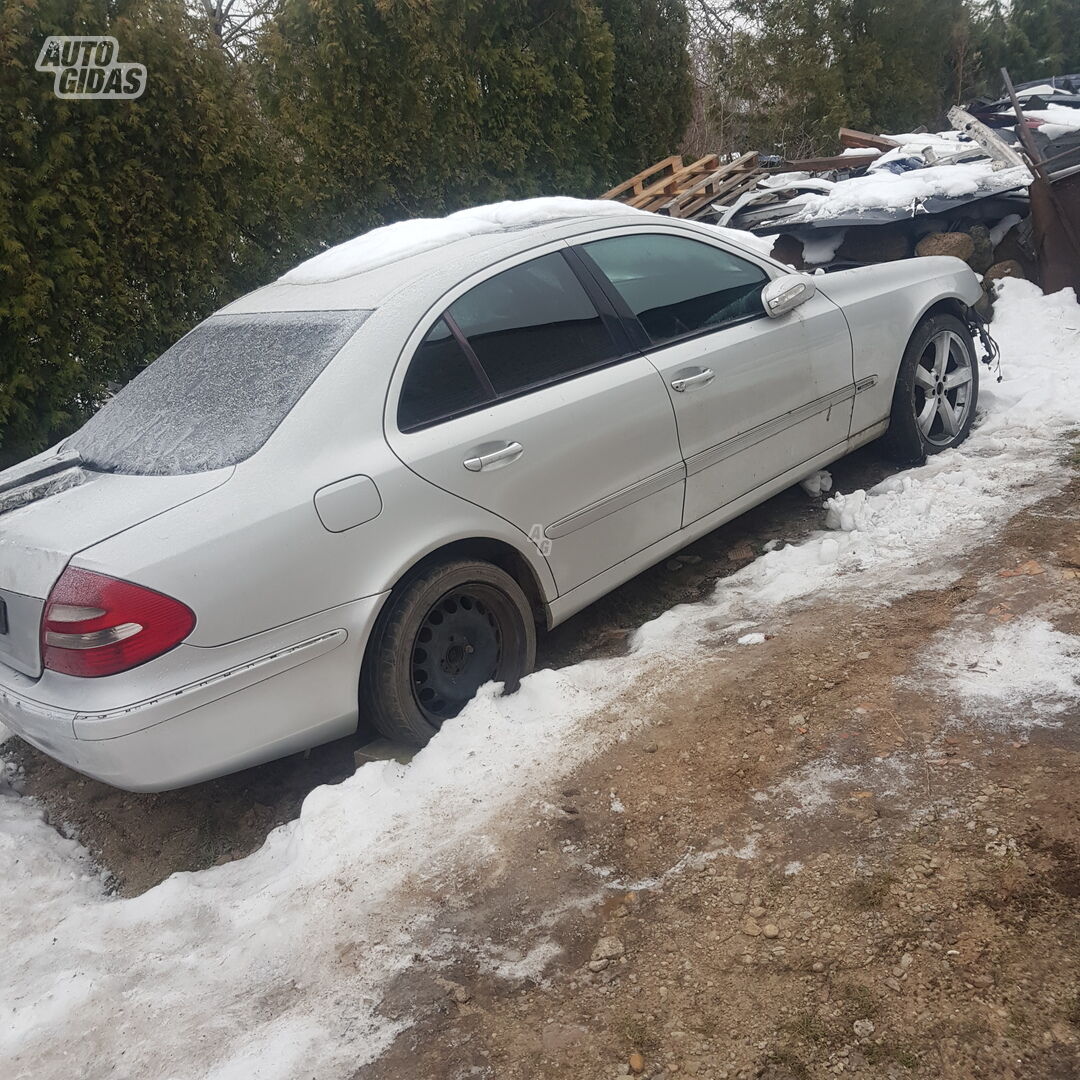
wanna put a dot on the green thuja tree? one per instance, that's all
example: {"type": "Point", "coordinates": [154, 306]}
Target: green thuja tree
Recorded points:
{"type": "Point", "coordinates": [651, 82]}
{"type": "Point", "coordinates": [394, 109]}
{"type": "Point", "coordinates": [374, 104]}
{"type": "Point", "coordinates": [1044, 39]}
{"type": "Point", "coordinates": [121, 222]}
{"type": "Point", "coordinates": [776, 78]}
{"type": "Point", "coordinates": [545, 115]}
{"type": "Point", "coordinates": [787, 74]}
{"type": "Point", "coordinates": [897, 59]}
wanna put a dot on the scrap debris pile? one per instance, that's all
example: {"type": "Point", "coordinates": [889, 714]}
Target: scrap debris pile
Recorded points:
{"type": "Point", "coordinates": [1000, 190]}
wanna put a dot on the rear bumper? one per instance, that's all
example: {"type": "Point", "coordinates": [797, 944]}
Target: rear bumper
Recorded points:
{"type": "Point", "coordinates": [240, 706]}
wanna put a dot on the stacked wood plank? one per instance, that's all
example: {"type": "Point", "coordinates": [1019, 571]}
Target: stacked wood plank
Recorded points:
{"type": "Point", "coordinates": [864, 140]}
{"type": "Point", "coordinates": [679, 190]}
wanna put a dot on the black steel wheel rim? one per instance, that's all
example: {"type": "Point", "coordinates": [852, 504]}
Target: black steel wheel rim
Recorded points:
{"type": "Point", "coordinates": [461, 644]}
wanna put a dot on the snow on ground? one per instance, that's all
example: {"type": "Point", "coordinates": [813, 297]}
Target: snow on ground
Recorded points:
{"type": "Point", "coordinates": [813, 789]}
{"type": "Point", "coordinates": [1019, 675]}
{"type": "Point", "coordinates": [817, 483]}
{"type": "Point", "coordinates": [272, 967]}
{"type": "Point", "coordinates": [403, 239]}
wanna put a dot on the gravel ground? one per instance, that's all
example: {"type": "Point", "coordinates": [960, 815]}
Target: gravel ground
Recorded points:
{"type": "Point", "coordinates": [828, 856]}
{"type": "Point", "coordinates": [849, 849]}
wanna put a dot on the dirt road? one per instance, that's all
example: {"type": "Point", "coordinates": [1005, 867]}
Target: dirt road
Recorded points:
{"type": "Point", "coordinates": [850, 849]}
{"type": "Point", "coordinates": [844, 851]}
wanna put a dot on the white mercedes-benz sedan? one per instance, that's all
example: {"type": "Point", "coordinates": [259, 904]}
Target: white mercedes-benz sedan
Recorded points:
{"type": "Point", "coordinates": [359, 490]}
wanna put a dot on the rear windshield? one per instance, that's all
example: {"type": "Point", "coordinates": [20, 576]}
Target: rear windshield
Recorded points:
{"type": "Point", "coordinates": [216, 396]}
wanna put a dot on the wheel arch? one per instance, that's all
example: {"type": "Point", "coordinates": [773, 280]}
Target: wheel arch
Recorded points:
{"type": "Point", "coordinates": [499, 553]}
{"type": "Point", "coordinates": [944, 305]}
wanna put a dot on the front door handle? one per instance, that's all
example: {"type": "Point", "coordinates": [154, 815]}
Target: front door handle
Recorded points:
{"type": "Point", "coordinates": [495, 458]}
{"type": "Point", "coordinates": [692, 382]}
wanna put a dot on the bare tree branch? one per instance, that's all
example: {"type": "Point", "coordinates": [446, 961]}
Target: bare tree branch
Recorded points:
{"type": "Point", "coordinates": [234, 22]}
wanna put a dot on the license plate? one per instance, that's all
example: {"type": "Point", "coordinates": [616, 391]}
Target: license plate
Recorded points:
{"type": "Point", "coordinates": [3, 617]}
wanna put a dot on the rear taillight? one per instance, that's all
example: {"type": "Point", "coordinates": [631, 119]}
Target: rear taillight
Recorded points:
{"type": "Point", "coordinates": [97, 625]}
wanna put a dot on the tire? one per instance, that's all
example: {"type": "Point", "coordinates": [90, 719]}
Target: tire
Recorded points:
{"type": "Point", "coordinates": [443, 633]}
{"type": "Point", "coordinates": [940, 352]}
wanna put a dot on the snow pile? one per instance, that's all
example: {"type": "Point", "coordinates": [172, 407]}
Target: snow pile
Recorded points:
{"type": "Point", "coordinates": [274, 966]}
{"type": "Point", "coordinates": [1021, 674]}
{"type": "Point", "coordinates": [818, 483]}
{"type": "Point", "coordinates": [821, 248]}
{"type": "Point", "coordinates": [403, 239]}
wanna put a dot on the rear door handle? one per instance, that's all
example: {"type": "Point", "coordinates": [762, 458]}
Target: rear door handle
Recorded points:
{"type": "Point", "coordinates": [692, 382]}
{"type": "Point", "coordinates": [495, 458]}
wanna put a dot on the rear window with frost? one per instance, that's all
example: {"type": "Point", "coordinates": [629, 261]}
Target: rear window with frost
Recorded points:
{"type": "Point", "coordinates": [216, 396]}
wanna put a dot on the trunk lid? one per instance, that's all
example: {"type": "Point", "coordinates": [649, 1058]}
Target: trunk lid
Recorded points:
{"type": "Point", "coordinates": [48, 514]}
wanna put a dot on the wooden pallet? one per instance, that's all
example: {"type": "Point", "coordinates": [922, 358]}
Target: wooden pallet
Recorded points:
{"type": "Point", "coordinates": [723, 186]}
{"type": "Point", "coordinates": [633, 187]}
{"type": "Point", "coordinates": [678, 190]}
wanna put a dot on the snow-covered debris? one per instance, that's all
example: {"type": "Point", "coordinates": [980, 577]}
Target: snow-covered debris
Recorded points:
{"type": "Point", "coordinates": [880, 189]}
{"type": "Point", "coordinates": [403, 239]}
{"type": "Point", "coordinates": [274, 966]}
{"type": "Point", "coordinates": [822, 247]}
{"type": "Point", "coordinates": [1041, 90]}
{"type": "Point", "coordinates": [762, 244]}
{"type": "Point", "coordinates": [1057, 120]}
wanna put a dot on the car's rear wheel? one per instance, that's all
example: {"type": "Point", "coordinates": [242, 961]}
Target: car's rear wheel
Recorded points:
{"type": "Point", "coordinates": [937, 390]}
{"type": "Point", "coordinates": [444, 633]}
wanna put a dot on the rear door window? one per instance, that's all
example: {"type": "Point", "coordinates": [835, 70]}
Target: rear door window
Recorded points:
{"type": "Point", "coordinates": [442, 381]}
{"type": "Point", "coordinates": [679, 287]}
{"type": "Point", "coordinates": [216, 396]}
{"type": "Point", "coordinates": [533, 324]}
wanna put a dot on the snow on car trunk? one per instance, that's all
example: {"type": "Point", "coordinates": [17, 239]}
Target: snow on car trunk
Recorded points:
{"type": "Point", "coordinates": [274, 966]}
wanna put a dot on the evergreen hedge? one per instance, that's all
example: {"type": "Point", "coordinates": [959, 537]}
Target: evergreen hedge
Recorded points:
{"type": "Point", "coordinates": [122, 223]}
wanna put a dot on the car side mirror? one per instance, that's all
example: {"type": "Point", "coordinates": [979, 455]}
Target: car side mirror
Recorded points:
{"type": "Point", "coordinates": [783, 294]}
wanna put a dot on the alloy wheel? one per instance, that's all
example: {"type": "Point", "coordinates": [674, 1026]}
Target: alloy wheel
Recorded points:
{"type": "Point", "coordinates": [943, 385]}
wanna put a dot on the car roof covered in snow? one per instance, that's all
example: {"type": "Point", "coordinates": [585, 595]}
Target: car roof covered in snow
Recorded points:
{"type": "Point", "coordinates": [363, 272]}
